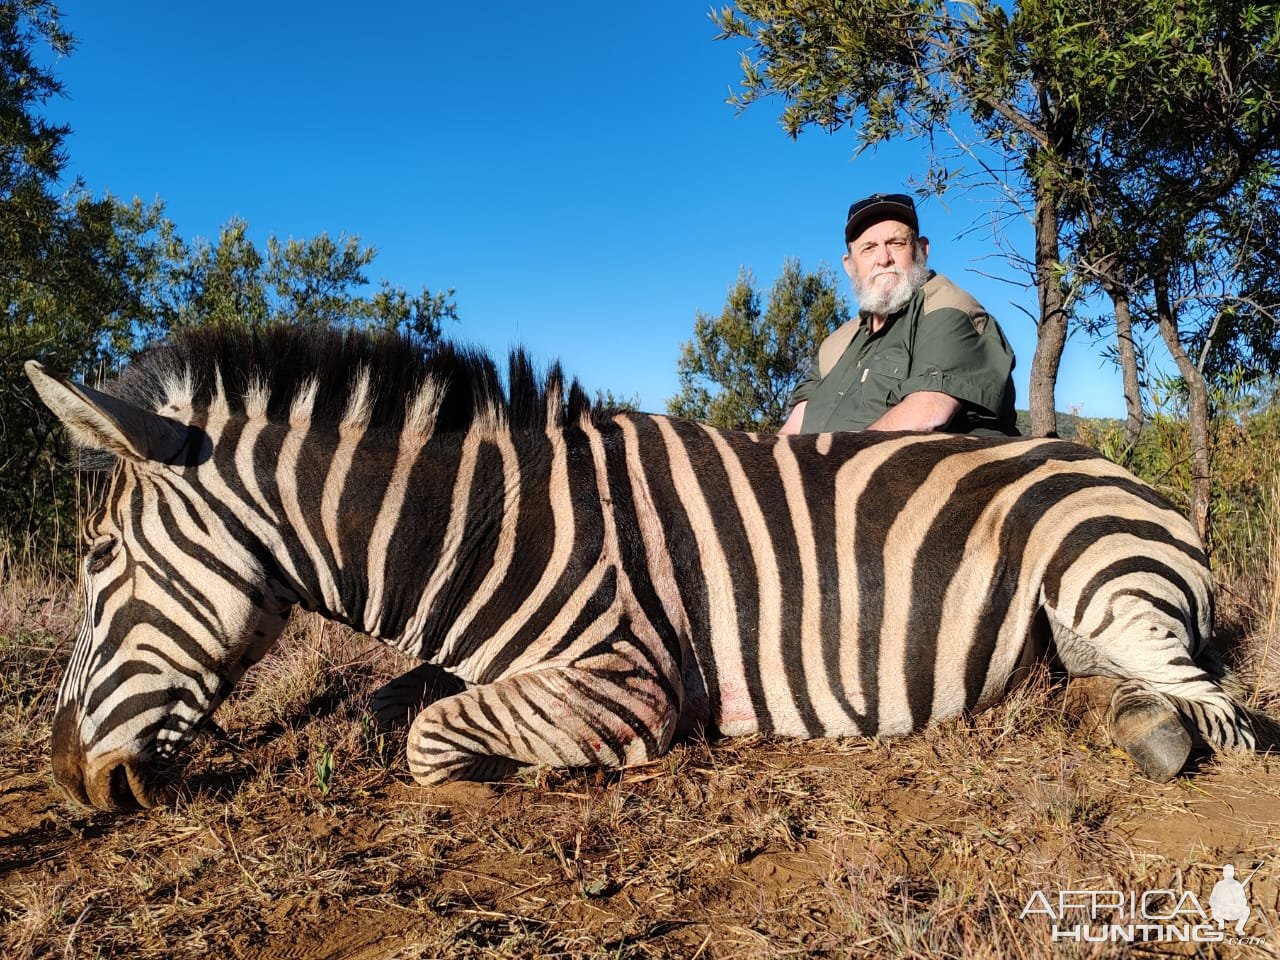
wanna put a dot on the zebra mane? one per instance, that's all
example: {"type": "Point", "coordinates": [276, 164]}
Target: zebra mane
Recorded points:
{"type": "Point", "coordinates": [348, 377]}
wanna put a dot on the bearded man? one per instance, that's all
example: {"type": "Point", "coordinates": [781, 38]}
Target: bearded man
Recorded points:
{"type": "Point", "coordinates": [922, 354]}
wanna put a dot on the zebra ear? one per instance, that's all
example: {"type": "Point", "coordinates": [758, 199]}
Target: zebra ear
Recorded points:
{"type": "Point", "coordinates": [103, 422]}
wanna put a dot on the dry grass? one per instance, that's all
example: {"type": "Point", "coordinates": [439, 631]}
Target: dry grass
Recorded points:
{"type": "Point", "coordinates": [925, 847]}
{"type": "Point", "coordinates": [1251, 593]}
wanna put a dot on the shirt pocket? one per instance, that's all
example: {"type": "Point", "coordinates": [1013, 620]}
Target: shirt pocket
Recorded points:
{"type": "Point", "coordinates": [883, 373]}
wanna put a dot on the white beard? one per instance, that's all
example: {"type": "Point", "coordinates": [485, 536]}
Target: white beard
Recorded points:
{"type": "Point", "coordinates": [882, 298]}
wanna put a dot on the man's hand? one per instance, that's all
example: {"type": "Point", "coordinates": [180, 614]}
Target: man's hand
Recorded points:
{"type": "Point", "coordinates": [923, 410]}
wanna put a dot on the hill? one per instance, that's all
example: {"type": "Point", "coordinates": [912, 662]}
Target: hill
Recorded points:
{"type": "Point", "coordinates": [1068, 424]}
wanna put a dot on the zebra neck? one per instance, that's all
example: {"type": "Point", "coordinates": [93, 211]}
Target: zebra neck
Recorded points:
{"type": "Point", "coordinates": [469, 541]}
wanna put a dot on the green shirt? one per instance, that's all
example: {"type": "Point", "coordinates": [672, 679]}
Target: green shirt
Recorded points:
{"type": "Point", "coordinates": [942, 340]}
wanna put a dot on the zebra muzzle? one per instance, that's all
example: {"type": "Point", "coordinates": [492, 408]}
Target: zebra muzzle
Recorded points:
{"type": "Point", "coordinates": [123, 783]}
{"type": "Point", "coordinates": [110, 781]}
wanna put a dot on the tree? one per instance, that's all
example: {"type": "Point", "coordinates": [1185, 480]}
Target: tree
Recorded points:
{"type": "Point", "coordinates": [72, 272]}
{"type": "Point", "coordinates": [313, 282]}
{"type": "Point", "coordinates": [739, 370]}
{"type": "Point", "coordinates": [421, 315]}
{"type": "Point", "coordinates": [31, 147]}
{"type": "Point", "coordinates": [607, 402]}
{"type": "Point", "coordinates": [1047, 86]}
{"type": "Point", "coordinates": [86, 281]}
{"type": "Point", "coordinates": [1217, 313]}
{"type": "Point", "coordinates": [1180, 219]}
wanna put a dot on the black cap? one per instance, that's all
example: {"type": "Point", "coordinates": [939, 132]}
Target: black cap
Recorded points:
{"type": "Point", "coordinates": [877, 207]}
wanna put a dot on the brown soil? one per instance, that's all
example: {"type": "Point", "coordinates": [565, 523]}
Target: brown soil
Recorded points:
{"type": "Point", "coordinates": [925, 847]}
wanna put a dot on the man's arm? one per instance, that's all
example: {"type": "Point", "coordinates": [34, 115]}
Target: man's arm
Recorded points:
{"type": "Point", "coordinates": [960, 353]}
{"type": "Point", "coordinates": [922, 410]}
{"type": "Point", "coordinates": [794, 420]}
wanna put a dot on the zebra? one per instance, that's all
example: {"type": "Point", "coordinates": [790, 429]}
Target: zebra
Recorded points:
{"type": "Point", "coordinates": [593, 584]}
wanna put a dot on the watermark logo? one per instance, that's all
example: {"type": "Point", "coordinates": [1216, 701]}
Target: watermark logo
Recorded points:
{"type": "Point", "coordinates": [1148, 916]}
{"type": "Point", "coordinates": [1228, 901]}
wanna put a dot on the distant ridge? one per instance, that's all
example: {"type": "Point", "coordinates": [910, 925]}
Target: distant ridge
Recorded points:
{"type": "Point", "coordinates": [1068, 424]}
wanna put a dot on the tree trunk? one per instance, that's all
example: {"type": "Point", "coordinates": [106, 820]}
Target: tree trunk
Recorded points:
{"type": "Point", "coordinates": [1051, 336]}
{"type": "Point", "coordinates": [1197, 410]}
{"type": "Point", "coordinates": [1128, 369]}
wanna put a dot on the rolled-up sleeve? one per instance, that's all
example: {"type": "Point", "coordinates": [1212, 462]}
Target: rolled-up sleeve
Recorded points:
{"type": "Point", "coordinates": [808, 383]}
{"type": "Point", "coordinates": [951, 356]}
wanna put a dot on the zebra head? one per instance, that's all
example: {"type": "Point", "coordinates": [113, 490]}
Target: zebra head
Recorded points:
{"type": "Point", "coordinates": [178, 598]}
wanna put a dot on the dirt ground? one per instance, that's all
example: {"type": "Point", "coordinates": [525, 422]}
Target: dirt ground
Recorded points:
{"type": "Point", "coordinates": [301, 835]}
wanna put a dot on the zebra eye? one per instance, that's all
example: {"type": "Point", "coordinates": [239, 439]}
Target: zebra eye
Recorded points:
{"type": "Point", "coordinates": [100, 555]}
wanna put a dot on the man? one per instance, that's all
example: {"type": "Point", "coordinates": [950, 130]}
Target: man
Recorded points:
{"type": "Point", "coordinates": [922, 354]}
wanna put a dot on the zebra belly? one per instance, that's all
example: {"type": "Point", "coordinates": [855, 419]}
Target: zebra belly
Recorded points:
{"type": "Point", "coordinates": [736, 717]}
{"type": "Point", "coordinates": [860, 689]}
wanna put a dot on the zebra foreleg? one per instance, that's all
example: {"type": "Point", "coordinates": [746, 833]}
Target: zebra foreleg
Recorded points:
{"type": "Point", "coordinates": [607, 713]}
{"type": "Point", "coordinates": [398, 701]}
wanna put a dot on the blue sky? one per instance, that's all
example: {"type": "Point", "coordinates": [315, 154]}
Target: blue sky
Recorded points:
{"type": "Point", "coordinates": [571, 169]}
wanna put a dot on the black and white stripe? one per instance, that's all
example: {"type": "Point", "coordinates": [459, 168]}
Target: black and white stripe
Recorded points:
{"type": "Point", "coordinates": [596, 582]}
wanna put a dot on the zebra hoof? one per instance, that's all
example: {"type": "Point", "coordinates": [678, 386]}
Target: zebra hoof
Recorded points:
{"type": "Point", "coordinates": [1152, 733]}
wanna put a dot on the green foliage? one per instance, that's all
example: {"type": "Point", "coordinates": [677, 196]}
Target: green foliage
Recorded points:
{"type": "Point", "coordinates": [73, 272]}
{"type": "Point", "coordinates": [1187, 188]}
{"type": "Point", "coordinates": [31, 154]}
{"type": "Point", "coordinates": [1180, 211]}
{"type": "Point", "coordinates": [87, 281]}
{"type": "Point", "coordinates": [835, 61]}
{"type": "Point", "coordinates": [1245, 439]}
{"type": "Point", "coordinates": [312, 282]}
{"type": "Point", "coordinates": [739, 370]}
{"type": "Point", "coordinates": [324, 770]}
{"type": "Point", "coordinates": [1062, 89]}
{"type": "Point", "coordinates": [394, 308]}
{"type": "Point", "coordinates": [607, 402]}
{"type": "Point", "coordinates": [220, 283]}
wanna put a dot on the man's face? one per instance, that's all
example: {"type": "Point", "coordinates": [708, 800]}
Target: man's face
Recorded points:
{"type": "Point", "coordinates": [883, 266]}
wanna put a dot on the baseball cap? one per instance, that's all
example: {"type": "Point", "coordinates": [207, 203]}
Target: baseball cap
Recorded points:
{"type": "Point", "coordinates": [877, 207]}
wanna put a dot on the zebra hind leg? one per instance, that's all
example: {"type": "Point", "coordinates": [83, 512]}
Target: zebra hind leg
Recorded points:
{"type": "Point", "coordinates": [611, 714]}
{"type": "Point", "coordinates": [1157, 724]}
{"type": "Point", "coordinates": [1167, 701]}
{"type": "Point", "coordinates": [1147, 726]}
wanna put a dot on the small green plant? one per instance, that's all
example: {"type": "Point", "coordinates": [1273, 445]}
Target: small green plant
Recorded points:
{"type": "Point", "coordinates": [324, 770]}
{"type": "Point", "coordinates": [375, 742]}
